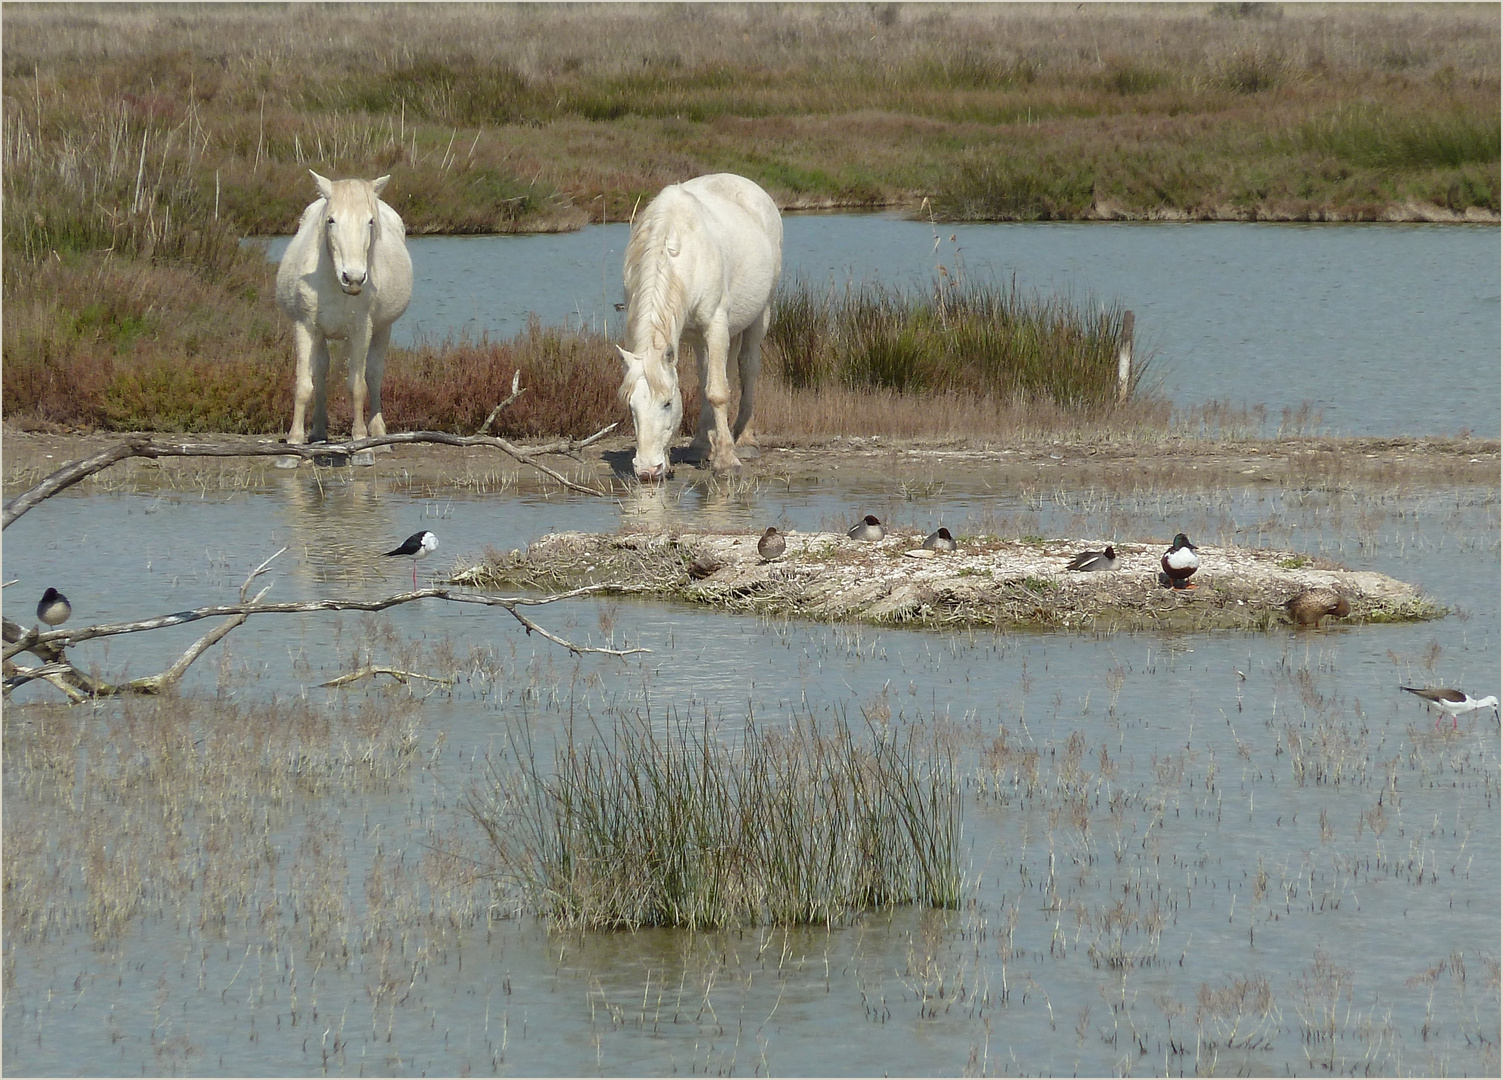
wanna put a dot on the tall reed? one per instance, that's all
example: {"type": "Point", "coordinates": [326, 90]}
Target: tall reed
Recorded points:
{"type": "Point", "coordinates": [668, 824]}
{"type": "Point", "coordinates": [960, 337]}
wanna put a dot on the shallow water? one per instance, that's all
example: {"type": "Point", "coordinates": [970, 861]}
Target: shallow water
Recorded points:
{"type": "Point", "coordinates": [1176, 826]}
{"type": "Point", "coordinates": [1343, 317]}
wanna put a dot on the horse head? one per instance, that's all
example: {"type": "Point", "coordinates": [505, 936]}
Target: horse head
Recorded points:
{"type": "Point", "coordinates": [351, 224]}
{"type": "Point", "coordinates": [650, 388]}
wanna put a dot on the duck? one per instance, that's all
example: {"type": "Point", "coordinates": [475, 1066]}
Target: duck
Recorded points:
{"type": "Point", "coordinates": [1180, 561]}
{"type": "Point", "coordinates": [940, 540]}
{"type": "Point", "coordinates": [868, 528]}
{"type": "Point", "coordinates": [53, 608]}
{"type": "Point", "coordinates": [703, 566]}
{"type": "Point", "coordinates": [1105, 559]}
{"type": "Point", "coordinates": [771, 546]}
{"type": "Point", "coordinates": [1452, 702]}
{"type": "Point", "coordinates": [1309, 606]}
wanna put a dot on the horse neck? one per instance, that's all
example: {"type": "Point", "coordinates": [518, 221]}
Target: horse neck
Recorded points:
{"type": "Point", "coordinates": [657, 305]}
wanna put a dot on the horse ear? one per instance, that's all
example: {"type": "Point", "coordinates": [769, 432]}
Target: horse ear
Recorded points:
{"type": "Point", "coordinates": [630, 359]}
{"type": "Point", "coordinates": [325, 188]}
{"type": "Point", "coordinates": [379, 183]}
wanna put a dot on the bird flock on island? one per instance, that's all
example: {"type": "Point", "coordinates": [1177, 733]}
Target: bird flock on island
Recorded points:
{"type": "Point", "coordinates": [347, 275]}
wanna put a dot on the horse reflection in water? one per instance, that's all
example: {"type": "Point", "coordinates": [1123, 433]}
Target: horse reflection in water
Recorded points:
{"type": "Point", "coordinates": [346, 277]}
{"type": "Point", "coordinates": [701, 268]}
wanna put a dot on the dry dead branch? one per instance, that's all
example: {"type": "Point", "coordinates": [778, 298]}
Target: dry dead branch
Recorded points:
{"type": "Point", "coordinates": [395, 673]}
{"type": "Point", "coordinates": [49, 645]}
{"type": "Point", "coordinates": [148, 447]}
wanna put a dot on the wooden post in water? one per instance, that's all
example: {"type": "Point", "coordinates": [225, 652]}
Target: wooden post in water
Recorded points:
{"type": "Point", "coordinates": [1124, 357]}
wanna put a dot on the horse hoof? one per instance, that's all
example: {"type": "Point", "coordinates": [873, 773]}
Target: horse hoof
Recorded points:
{"type": "Point", "coordinates": [288, 461]}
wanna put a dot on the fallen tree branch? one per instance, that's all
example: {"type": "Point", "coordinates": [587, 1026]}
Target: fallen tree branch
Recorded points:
{"type": "Point", "coordinates": [517, 390]}
{"type": "Point", "coordinates": [48, 646]}
{"type": "Point", "coordinates": [145, 446]}
{"type": "Point", "coordinates": [400, 676]}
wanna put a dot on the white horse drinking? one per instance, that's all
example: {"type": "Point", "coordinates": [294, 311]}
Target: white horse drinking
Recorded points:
{"type": "Point", "coordinates": [347, 277]}
{"type": "Point", "coordinates": [702, 266]}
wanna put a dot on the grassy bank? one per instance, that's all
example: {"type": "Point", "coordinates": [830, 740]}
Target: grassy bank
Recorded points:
{"type": "Point", "coordinates": [873, 360]}
{"type": "Point", "coordinates": [140, 143]}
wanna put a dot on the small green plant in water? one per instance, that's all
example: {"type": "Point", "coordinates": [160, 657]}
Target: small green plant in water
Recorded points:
{"type": "Point", "coordinates": [671, 824]}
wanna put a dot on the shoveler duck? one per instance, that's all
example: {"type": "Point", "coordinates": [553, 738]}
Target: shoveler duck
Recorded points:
{"type": "Point", "coordinates": [1180, 561]}
{"type": "Point", "coordinates": [940, 540]}
{"type": "Point", "coordinates": [53, 608]}
{"type": "Point", "coordinates": [1451, 702]}
{"type": "Point", "coordinates": [868, 528]}
{"type": "Point", "coordinates": [771, 546]}
{"type": "Point", "coordinates": [1309, 606]}
{"type": "Point", "coordinates": [1106, 559]}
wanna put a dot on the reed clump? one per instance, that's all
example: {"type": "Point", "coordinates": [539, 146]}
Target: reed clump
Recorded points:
{"type": "Point", "coordinates": [960, 337]}
{"type": "Point", "coordinates": [667, 824]}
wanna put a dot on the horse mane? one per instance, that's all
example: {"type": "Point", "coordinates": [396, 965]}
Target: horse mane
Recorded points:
{"type": "Point", "coordinates": [655, 293]}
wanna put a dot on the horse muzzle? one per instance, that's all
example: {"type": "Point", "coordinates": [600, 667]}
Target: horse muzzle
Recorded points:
{"type": "Point", "coordinates": [655, 474]}
{"type": "Point", "coordinates": [352, 285]}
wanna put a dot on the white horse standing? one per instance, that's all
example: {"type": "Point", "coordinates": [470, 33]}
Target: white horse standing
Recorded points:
{"type": "Point", "coordinates": [702, 266]}
{"type": "Point", "coordinates": [347, 277]}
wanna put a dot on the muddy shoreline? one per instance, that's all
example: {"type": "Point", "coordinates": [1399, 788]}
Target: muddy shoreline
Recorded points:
{"type": "Point", "coordinates": [1178, 463]}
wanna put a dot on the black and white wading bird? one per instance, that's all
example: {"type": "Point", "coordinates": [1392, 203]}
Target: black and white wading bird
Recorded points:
{"type": "Point", "coordinates": [868, 528]}
{"type": "Point", "coordinates": [1180, 561]}
{"type": "Point", "coordinates": [771, 546]}
{"type": "Point", "coordinates": [417, 546]}
{"type": "Point", "coordinates": [1095, 560]}
{"type": "Point", "coordinates": [1452, 702]}
{"type": "Point", "coordinates": [53, 608]}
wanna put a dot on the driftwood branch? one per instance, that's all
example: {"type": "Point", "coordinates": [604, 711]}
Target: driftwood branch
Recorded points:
{"type": "Point", "coordinates": [147, 447]}
{"type": "Point", "coordinates": [48, 646]}
{"type": "Point", "coordinates": [400, 676]}
{"type": "Point", "coordinates": [517, 390]}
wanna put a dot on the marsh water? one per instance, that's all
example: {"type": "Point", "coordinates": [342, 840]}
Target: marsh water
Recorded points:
{"type": "Point", "coordinates": [1381, 329]}
{"type": "Point", "coordinates": [1217, 853]}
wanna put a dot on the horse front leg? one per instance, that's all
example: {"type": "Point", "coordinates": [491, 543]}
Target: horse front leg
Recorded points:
{"type": "Point", "coordinates": [358, 351]}
{"type": "Point", "coordinates": [310, 381]}
{"type": "Point", "coordinates": [375, 368]}
{"type": "Point", "coordinates": [750, 367]}
{"type": "Point", "coordinates": [716, 393]}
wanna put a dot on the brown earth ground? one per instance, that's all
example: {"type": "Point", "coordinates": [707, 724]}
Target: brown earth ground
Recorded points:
{"type": "Point", "coordinates": [991, 581]}
{"type": "Point", "coordinates": [1110, 463]}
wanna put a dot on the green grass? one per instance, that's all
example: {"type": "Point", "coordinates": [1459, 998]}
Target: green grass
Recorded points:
{"type": "Point", "coordinates": [960, 337]}
{"type": "Point", "coordinates": [649, 825]}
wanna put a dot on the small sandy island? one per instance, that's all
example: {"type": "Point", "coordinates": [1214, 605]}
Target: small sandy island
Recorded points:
{"type": "Point", "coordinates": [987, 582]}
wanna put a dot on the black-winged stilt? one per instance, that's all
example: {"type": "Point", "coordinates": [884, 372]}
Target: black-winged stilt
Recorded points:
{"type": "Point", "coordinates": [1452, 702]}
{"type": "Point", "coordinates": [771, 546]}
{"type": "Point", "coordinates": [53, 608]}
{"type": "Point", "coordinates": [868, 528]}
{"type": "Point", "coordinates": [940, 540]}
{"type": "Point", "coordinates": [1106, 559]}
{"type": "Point", "coordinates": [1180, 561]}
{"type": "Point", "coordinates": [417, 546]}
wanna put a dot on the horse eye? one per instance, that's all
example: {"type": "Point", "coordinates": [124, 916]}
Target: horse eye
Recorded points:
{"type": "Point", "coordinates": [668, 404]}
{"type": "Point", "coordinates": [331, 221]}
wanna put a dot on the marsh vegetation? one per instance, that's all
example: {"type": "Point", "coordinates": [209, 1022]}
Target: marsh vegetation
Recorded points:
{"type": "Point", "coordinates": [141, 144]}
